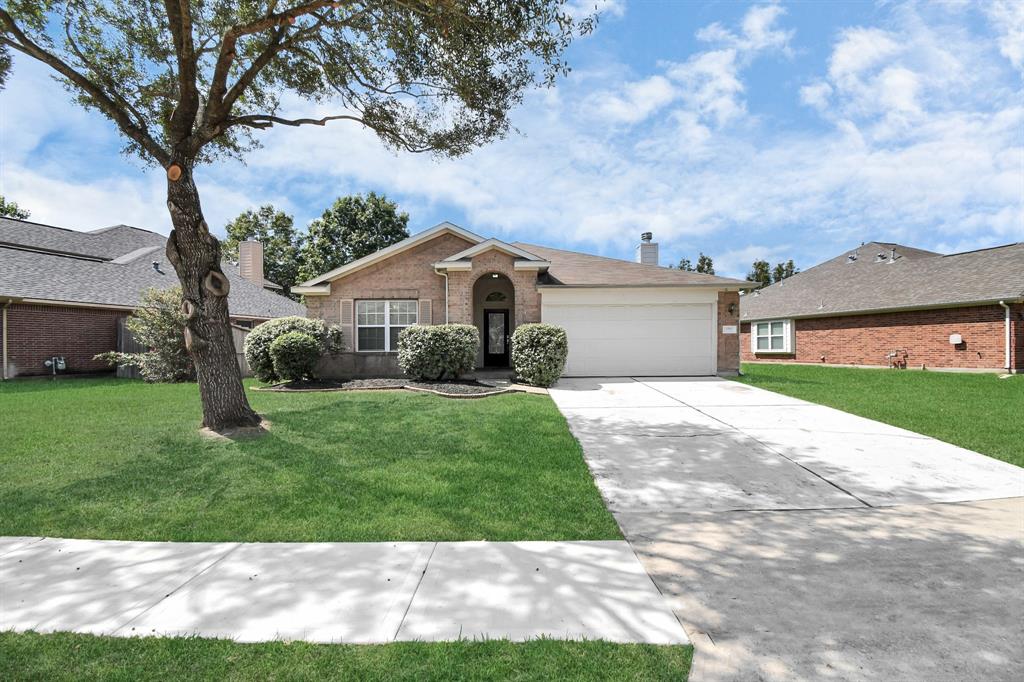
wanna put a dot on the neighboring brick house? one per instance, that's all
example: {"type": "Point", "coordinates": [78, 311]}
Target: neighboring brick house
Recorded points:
{"type": "Point", "coordinates": [883, 304]}
{"type": "Point", "coordinates": [622, 318]}
{"type": "Point", "coordinates": [62, 292]}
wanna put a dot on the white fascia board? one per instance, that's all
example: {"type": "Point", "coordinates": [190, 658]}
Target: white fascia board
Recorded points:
{"type": "Point", "coordinates": [493, 244]}
{"type": "Point", "coordinates": [394, 249]}
{"type": "Point", "coordinates": [318, 290]}
{"type": "Point", "coordinates": [532, 265]}
{"type": "Point", "coordinates": [454, 266]}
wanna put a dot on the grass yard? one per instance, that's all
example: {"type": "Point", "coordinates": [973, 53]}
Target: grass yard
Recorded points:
{"type": "Point", "coordinates": [69, 657]}
{"type": "Point", "coordinates": [980, 412]}
{"type": "Point", "coordinates": [121, 459]}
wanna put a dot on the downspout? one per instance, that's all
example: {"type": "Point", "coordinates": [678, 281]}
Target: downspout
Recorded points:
{"type": "Point", "coordinates": [4, 324]}
{"type": "Point", "coordinates": [445, 275]}
{"type": "Point", "coordinates": [1006, 331]}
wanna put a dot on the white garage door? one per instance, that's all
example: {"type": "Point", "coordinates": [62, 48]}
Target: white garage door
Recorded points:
{"type": "Point", "coordinates": [636, 339]}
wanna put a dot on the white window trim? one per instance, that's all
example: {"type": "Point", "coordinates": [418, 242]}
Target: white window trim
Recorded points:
{"type": "Point", "coordinates": [387, 321]}
{"type": "Point", "coordinates": [788, 338]}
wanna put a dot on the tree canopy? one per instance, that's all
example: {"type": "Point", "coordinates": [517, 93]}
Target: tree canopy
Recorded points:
{"type": "Point", "coordinates": [281, 242]}
{"type": "Point", "coordinates": [705, 265]}
{"type": "Point", "coordinates": [194, 79]}
{"type": "Point", "coordinates": [10, 209]}
{"type": "Point", "coordinates": [353, 227]}
{"type": "Point", "coordinates": [685, 265]}
{"type": "Point", "coordinates": [760, 273]}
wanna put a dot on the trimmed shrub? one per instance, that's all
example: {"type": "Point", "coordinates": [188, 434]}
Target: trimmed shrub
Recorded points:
{"type": "Point", "coordinates": [433, 352]}
{"type": "Point", "coordinates": [538, 353]}
{"type": "Point", "coordinates": [259, 340]}
{"type": "Point", "coordinates": [295, 355]}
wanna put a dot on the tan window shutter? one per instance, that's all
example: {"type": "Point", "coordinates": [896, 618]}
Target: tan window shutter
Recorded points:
{"type": "Point", "coordinates": [425, 317]}
{"type": "Point", "coordinates": [347, 327]}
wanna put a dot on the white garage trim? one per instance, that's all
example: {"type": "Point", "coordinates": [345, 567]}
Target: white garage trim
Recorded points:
{"type": "Point", "coordinates": [649, 331]}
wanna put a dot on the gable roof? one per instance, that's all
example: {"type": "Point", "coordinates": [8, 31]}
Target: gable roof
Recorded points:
{"type": "Point", "coordinates": [915, 279]}
{"type": "Point", "coordinates": [569, 268]}
{"type": "Point", "coordinates": [108, 267]}
{"type": "Point", "coordinates": [510, 249]}
{"type": "Point", "coordinates": [387, 252]}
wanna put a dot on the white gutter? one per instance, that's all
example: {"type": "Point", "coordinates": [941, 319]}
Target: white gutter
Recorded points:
{"type": "Point", "coordinates": [445, 275]}
{"type": "Point", "coordinates": [1006, 331]}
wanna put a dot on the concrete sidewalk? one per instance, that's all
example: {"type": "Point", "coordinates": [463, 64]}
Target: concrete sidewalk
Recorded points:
{"type": "Point", "coordinates": [333, 592]}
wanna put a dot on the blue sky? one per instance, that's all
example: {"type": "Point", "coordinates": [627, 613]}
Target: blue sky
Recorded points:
{"type": "Point", "coordinates": [741, 130]}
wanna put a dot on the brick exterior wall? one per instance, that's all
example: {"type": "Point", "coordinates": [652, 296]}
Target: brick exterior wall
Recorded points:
{"type": "Point", "coordinates": [409, 274]}
{"type": "Point", "coordinates": [924, 334]}
{"type": "Point", "coordinates": [460, 288]}
{"type": "Point", "coordinates": [38, 332]}
{"type": "Point", "coordinates": [728, 344]}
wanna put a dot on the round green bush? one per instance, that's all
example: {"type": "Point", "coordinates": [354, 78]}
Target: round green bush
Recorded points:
{"type": "Point", "coordinates": [295, 355]}
{"type": "Point", "coordinates": [432, 352]}
{"type": "Point", "coordinates": [258, 341]}
{"type": "Point", "coordinates": [538, 353]}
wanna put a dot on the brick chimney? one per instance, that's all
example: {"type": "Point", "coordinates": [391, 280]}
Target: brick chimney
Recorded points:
{"type": "Point", "coordinates": [250, 262]}
{"type": "Point", "coordinates": [646, 250]}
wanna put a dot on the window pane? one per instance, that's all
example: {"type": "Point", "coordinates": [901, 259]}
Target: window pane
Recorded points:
{"type": "Point", "coordinates": [394, 332]}
{"type": "Point", "coordinates": [403, 312]}
{"type": "Point", "coordinates": [776, 328]}
{"type": "Point", "coordinates": [762, 329]}
{"type": "Point", "coordinates": [371, 338]}
{"type": "Point", "coordinates": [762, 343]}
{"type": "Point", "coordinates": [777, 343]}
{"type": "Point", "coordinates": [370, 312]}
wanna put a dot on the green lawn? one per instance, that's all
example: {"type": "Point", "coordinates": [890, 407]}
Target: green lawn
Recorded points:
{"type": "Point", "coordinates": [977, 411]}
{"type": "Point", "coordinates": [121, 459]}
{"type": "Point", "coordinates": [85, 657]}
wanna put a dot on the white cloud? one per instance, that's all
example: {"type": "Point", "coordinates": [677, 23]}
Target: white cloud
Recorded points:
{"type": "Point", "coordinates": [816, 95]}
{"type": "Point", "coordinates": [1007, 17]}
{"type": "Point", "coordinates": [710, 80]}
{"type": "Point", "coordinates": [636, 101]}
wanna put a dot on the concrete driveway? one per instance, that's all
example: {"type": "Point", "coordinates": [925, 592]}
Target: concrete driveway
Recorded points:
{"type": "Point", "coordinates": [796, 541]}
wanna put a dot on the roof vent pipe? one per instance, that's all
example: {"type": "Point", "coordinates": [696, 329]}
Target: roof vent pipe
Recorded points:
{"type": "Point", "coordinates": [646, 250]}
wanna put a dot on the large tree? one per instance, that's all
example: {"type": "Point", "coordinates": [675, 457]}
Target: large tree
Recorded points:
{"type": "Point", "coordinates": [186, 81]}
{"type": "Point", "coordinates": [353, 227]}
{"type": "Point", "coordinates": [281, 242]}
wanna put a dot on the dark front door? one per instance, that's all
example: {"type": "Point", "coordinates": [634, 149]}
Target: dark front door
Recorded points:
{"type": "Point", "coordinates": [495, 338]}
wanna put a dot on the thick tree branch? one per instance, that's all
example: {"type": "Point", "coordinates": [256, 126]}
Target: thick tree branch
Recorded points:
{"type": "Point", "coordinates": [219, 83]}
{"type": "Point", "coordinates": [179, 17]}
{"type": "Point", "coordinates": [18, 40]}
{"type": "Point", "coordinates": [264, 121]}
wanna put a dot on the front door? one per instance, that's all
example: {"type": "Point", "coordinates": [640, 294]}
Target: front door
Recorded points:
{"type": "Point", "coordinates": [495, 338]}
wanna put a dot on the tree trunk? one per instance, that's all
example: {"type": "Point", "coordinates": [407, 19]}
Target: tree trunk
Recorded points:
{"type": "Point", "coordinates": [195, 255]}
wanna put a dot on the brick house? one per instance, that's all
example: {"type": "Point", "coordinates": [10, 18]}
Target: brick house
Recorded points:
{"type": "Point", "coordinates": [622, 317]}
{"type": "Point", "coordinates": [883, 304]}
{"type": "Point", "coordinates": [62, 292]}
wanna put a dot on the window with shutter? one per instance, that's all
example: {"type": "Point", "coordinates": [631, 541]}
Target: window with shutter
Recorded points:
{"type": "Point", "coordinates": [347, 328]}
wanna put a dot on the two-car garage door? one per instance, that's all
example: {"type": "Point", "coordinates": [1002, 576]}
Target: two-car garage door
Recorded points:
{"type": "Point", "coordinates": [635, 332]}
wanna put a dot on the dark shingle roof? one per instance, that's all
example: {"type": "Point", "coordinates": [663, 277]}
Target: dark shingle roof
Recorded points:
{"type": "Point", "coordinates": [570, 268]}
{"type": "Point", "coordinates": [117, 269]}
{"type": "Point", "coordinates": [915, 279]}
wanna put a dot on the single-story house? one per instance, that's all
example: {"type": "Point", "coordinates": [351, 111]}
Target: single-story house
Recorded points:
{"type": "Point", "coordinates": [884, 304]}
{"type": "Point", "coordinates": [62, 292]}
{"type": "Point", "coordinates": [621, 317]}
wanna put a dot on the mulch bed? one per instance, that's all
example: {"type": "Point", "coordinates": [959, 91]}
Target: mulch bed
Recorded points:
{"type": "Point", "coordinates": [450, 389]}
